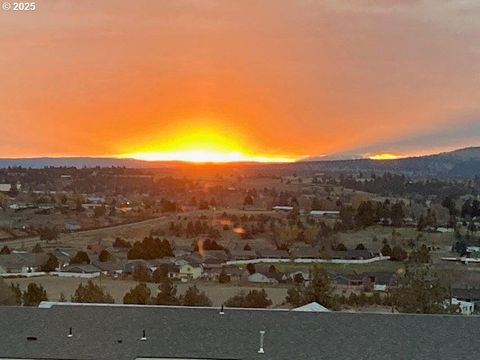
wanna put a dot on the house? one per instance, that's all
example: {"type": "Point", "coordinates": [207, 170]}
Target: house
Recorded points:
{"type": "Point", "coordinates": [273, 254]}
{"type": "Point", "coordinates": [22, 263]}
{"type": "Point", "coordinates": [353, 254]}
{"type": "Point", "coordinates": [217, 254]}
{"type": "Point", "coordinates": [184, 271]}
{"type": "Point", "coordinates": [466, 307]}
{"type": "Point", "coordinates": [242, 255]}
{"type": "Point", "coordinates": [81, 270]}
{"type": "Point", "coordinates": [282, 208]}
{"type": "Point", "coordinates": [5, 188]}
{"type": "Point", "coordinates": [324, 213]}
{"type": "Point", "coordinates": [131, 265]}
{"type": "Point", "coordinates": [112, 268]}
{"type": "Point", "coordinates": [349, 279]}
{"type": "Point", "coordinates": [136, 332]}
{"type": "Point", "coordinates": [72, 226]}
{"type": "Point", "coordinates": [380, 281]}
{"type": "Point", "coordinates": [305, 253]}
{"type": "Point", "coordinates": [261, 278]}
{"type": "Point", "coordinates": [468, 295]}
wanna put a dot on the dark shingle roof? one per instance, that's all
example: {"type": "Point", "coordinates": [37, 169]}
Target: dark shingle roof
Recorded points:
{"type": "Point", "coordinates": [195, 333]}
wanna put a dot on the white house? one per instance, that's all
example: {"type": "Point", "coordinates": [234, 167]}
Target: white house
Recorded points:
{"type": "Point", "coordinates": [466, 307]}
{"type": "Point", "coordinates": [184, 271]}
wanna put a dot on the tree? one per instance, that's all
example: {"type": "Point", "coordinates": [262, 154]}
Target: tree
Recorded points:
{"type": "Point", "coordinates": [397, 214]}
{"type": "Point", "coordinates": [223, 277]}
{"type": "Point", "coordinates": [18, 293]}
{"type": "Point", "coordinates": [420, 291]}
{"type": "Point", "coordinates": [8, 294]}
{"type": "Point", "coordinates": [251, 269]}
{"type": "Point", "coordinates": [386, 250]}
{"type": "Point", "coordinates": [142, 274]}
{"type": "Point", "coordinates": [104, 256]}
{"type": "Point", "coordinates": [47, 233]}
{"type": "Point", "coordinates": [295, 296]}
{"type": "Point", "coordinates": [319, 290]}
{"type": "Point", "coordinates": [398, 254]}
{"type": "Point", "coordinates": [248, 200]}
{"type": "Point", "coordinates": [253, 299]}
{"type": "Point", "coordinates": [360, 247]}
{"type": "Point", "coordinates": [421, 256]}
{"type": "Point", "coordinates": [365, 214]}
{"type": "Point", "coordinates": [449, 204]}
{"type": "Point", "coordinates": [37, 249]}
{"type": "Point", "coordinates": [160, 273]}
{"type": "Point", "coordinates": [34, 295]}
{"type": "Point", "coordinates": [91, 293]}
{"type": "Point", "coordinates": [120, 243]}
{"type": "Point", "coordinates": [166, 294]}
{"type": "Point", "coordinates": [194, 297]}
{"type": "Point", "coordinates": [140, 294]}
{"type": "Point", "coordinates": [51, 264]}
{"type": "Point", "coordinates": [99, 211]}
{"type": "Point", "coordinates": [341, 247]}
{"type": "Point", "coordinates": [5, 250]}
{"type": "Point", "coordinates": [81, 257]}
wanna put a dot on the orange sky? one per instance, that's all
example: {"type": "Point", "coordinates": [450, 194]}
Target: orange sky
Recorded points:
{"type": "Point", "coordinates": [271, 78]}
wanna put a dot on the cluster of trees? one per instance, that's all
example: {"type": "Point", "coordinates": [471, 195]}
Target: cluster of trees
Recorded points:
{"type": "Point", "coordinates": [121, 243]}
{"type": "Point", "coordinates": [370, 213]}
{"type": "Point", "coordinates": [418, 290]}
{"type": "Point", "coordinates": [33, 295]}
{"type": "Point", "coordinates": [81, 257]}
{"type": "Point", "coordinates": [252, 299]}
{"type": "Point", "coordinates": [471, 209]}
{"type": "Point", "coordinates": [394, 184]}
{"type": "Point", "coordinates": [207, 244]}
{"type": "Point", "coordinates": [319, 289]}
{"type": "Point", "coordinates": [48, 233]}
{"type": "Point", "coordinates": [150, 248]}
{"type": "Point", "coordinates": [167, 295]}
{"type": "Point", "coordinates": [193, 229]}
{"type": "Point", "coordinates": [419, 255]}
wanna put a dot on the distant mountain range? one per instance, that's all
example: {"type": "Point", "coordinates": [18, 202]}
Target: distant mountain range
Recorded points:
{"type": "Point", "coordinates": [462, 162]}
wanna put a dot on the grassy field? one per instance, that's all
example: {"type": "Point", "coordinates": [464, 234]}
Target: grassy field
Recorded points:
{"type": "Point", "coordinates": [367, 237]}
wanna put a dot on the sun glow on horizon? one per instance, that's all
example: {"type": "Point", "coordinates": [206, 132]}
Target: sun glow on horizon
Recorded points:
{"type": "Point", "coordinates": [204, 143]}
{"type": "Point", "coordinates": [385, 156]}
{"type": "Point", "coordinates": [207, 156]}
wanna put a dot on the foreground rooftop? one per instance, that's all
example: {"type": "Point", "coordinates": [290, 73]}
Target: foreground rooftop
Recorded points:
{"type": "Point", "coordinates": [116, 332]}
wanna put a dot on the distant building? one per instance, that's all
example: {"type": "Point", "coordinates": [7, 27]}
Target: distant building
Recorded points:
{"type": "Point", "coordinates": [282, 208]}
{"type": "Point", "coordinates": [324, 213]}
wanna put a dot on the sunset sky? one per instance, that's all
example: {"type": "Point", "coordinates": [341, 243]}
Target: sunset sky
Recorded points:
{"type": "Point", "coordinates": [231, 80]}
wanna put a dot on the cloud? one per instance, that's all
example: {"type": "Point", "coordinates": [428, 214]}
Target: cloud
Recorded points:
{"type": "Point", "coordinates": [457, 133]}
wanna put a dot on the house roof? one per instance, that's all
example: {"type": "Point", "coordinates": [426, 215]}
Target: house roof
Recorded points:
{"type": "Point", "coordinates": [271, 253]}
{"type": "Point", "coordinates": [305, 253]}
{"type": "Point", "coordinates": [312, 307]}
{"type": "Point", "coordinates": [470, 294]}
{"type": "Point", "coordinates": [114, 332]}
{"type": "Point", "coordinates": [82, 268]}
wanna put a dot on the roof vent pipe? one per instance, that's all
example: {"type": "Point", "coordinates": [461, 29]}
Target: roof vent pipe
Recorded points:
{"type": "Point", "coordinates": [262, 334]}
{"type": "Point", "coordinates": [221, 310]}
{"type": "Point", "coordinates": [70, 332]}
{"type": "Point", "coordinates": [144, 337]}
